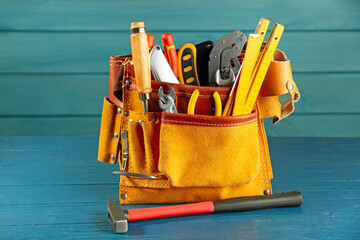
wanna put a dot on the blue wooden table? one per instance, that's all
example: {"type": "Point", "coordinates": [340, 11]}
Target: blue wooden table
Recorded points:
{"type": "Point", "coordinates": [53, 187]}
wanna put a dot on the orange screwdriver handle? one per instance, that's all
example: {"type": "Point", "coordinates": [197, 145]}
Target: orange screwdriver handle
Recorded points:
{"type": "Point", "coordinates": [170, 52]}
{"type": "Point", "coordinates": [141, 61]}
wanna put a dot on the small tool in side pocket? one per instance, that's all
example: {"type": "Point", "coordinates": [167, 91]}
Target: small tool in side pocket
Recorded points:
{"type": "Point", "coordinates": [187, 65]}
{"type": "Point", "coordinates": [160, 67]}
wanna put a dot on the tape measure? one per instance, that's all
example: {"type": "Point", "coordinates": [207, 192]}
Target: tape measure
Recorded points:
{"type": "Point", "coordinates": [263, 65]}
{"type": "Point", "coordinates": [187, 65]}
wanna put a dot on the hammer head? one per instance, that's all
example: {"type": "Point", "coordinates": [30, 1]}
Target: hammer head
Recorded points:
{"type": "Point", "coordinates": [116, 217]}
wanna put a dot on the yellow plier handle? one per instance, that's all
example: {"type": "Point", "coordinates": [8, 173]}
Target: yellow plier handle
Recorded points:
{"type": "Point", "coordinates": [193, 100]}
{"type": "Point", "coordinates": [218, 105]}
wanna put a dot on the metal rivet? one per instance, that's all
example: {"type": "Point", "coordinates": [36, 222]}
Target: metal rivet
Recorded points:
{"type": "Point", "coordinates": [291, 87]}
{"type": "Point", "coordinates": [155, 120]}
{"type": "Point", "coordinates": [131, 120]}
{"type": "Point", "coordinates": [124, 133]}
{"type": "Point", "coordinates": [267, 192]}
{"type": "Point", "coordinates": [116, 135]}
{"type": "Point", "coordinates": [126, 113]}
{"type": "Point", "coordinates": [119, 110]}
{"type": "Point", "coordinates": [123, 196]}
{"type": "Point", "coordinates": [140, 122]}
{"type": "Point", "coordinates": [112, 157]}
{"type": "Point", "coordinates": [128, 82]}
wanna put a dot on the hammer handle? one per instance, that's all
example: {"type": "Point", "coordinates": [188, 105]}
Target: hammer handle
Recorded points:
{"type": "Point", "coordinates": [288, 199]}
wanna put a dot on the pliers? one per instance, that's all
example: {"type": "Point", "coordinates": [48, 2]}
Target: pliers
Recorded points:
{"type": "Point", "coordinates": [193, 100]}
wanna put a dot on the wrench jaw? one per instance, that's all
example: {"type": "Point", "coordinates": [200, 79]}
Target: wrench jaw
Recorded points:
{"type": "Point", "coordinates": [167, 102]}
{"type": "Point", "coordinates": [227, 81]}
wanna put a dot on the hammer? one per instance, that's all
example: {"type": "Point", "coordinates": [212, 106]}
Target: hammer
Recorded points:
{"type": "Point", "coordinates": [118, 217]}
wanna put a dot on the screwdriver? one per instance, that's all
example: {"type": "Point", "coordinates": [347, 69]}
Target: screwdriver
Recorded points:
{"type": "Point", "coordinates": [141, 61]}
{"type": "Point", "coordinates": [170, 52]}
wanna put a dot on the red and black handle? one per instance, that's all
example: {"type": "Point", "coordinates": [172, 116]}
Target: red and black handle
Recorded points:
{"type": "Point", "coordinates": [287, 199]}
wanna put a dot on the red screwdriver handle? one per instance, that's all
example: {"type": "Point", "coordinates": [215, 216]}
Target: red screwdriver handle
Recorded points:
{"type": "Point", "coordinates": [170, 52]}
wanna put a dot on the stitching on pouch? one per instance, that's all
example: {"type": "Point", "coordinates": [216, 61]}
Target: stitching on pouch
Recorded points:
{"type": "Point", "coordinates": [126, 185]}
{"type": "Point", "coordinates": [211, 124]}
{"type": "Point", "coordinates": [261, 155]}
{"type": "Point", "coordinates": [149, 184]}
{"type": "Point", "coordinates": [126, 70]}
{"type": "Point", "coordinates": [265, 165]}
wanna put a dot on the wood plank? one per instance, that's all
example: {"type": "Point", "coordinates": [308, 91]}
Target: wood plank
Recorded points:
{"type": "Point", "coordinates": [70, 210]}
{"type": "Point", "coordinates": [80, 220]}
{"type": "Point", "coordinates": [80, 155]}
{"type": "Point", "coordinates": [87, 52]}
{"type": "Point", "coordinates": [52, 94]}
{"type": "Point", "coordinates": [83, 94]}
{"type": "Point", "coordinates": [323, 93]}
{"type": "Point", "coordinates": [111, 15]}
{"type": "Point", "coordinates": [85, 125]}
{"type": "Point", "coordinates": [322, 125]}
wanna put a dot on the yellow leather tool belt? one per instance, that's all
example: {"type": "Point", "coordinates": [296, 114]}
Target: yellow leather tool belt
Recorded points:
{"type": "Point", "coordinates": [193, 157]}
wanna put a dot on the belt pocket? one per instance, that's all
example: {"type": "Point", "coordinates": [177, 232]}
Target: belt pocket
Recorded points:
{"type": "Point", "coordinates": [109, 132]}
{"type": "Point", "coordinates": [209, 151]}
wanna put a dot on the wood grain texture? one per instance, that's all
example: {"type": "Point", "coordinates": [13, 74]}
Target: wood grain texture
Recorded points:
{"type": "Point", "coordinates": [63, 94]}
{"type": "Point", "coordinates": [54, 56]}
{"type": "Point", "coordinates": [109, 15]}
{"type": "Point", "coordinates": [38, 203]}
{"type": "Point", "coordinates": [297, 125]}
{"type": "Point", "coordinates": [84, 52]}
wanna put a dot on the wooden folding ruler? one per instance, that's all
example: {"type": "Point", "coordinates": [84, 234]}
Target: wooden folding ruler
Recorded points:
{"type": "Point", "coordinates": [251, 49]}
{"type": "Point", "coordinates": [262, 67]}
{"type": "Point", "coordinates": [251, 56]}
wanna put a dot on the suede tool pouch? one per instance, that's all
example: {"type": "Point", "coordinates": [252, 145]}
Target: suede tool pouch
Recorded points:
{"type": "Point", "coordinates": [208, 151]}
{"type": "Point", "coordinates": [196, 157]}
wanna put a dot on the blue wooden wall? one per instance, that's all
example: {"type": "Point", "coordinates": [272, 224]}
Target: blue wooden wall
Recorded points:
{"type": "Point", "coordinates": [54, 57]}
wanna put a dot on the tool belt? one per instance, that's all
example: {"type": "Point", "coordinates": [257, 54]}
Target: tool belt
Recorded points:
{"type": "Point", "coordinates": [194, 157]}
